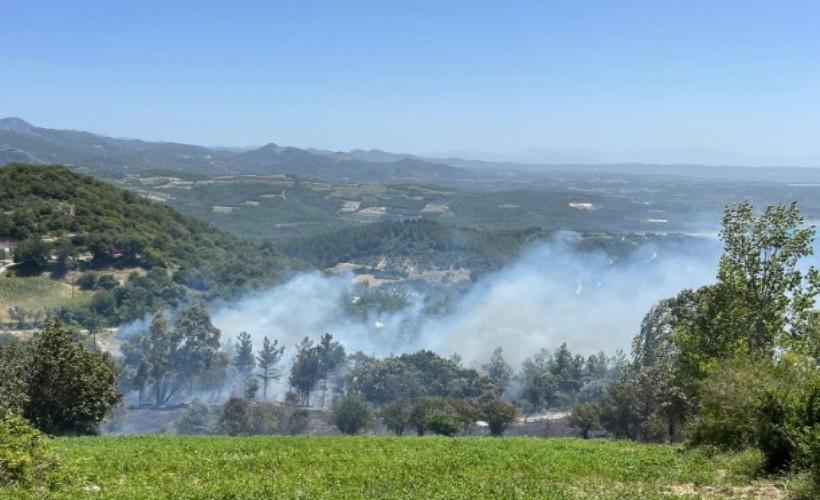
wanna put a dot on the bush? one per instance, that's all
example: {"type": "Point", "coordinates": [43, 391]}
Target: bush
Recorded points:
{"type": "Point", "coordinates": [26, 457]}
{"type": "Point", "coordinates": [88, 281]}
{"type": "Point", "coordinates": [235, 419]}
{"type": "Point", "coordinates": [265, 418]}
{"type": "Point", "coordinates": [195, 421]}
{"type": "Point", "coordinates": [442, 422]}
{"type": "Point", "coordinates": [444, 416]}
{"type": "Point", "coordinates": [298, 422]}
{"type": "Point", "coordinates": [351, 415]}
{"type": "Point", "coordinates": [730, 404]}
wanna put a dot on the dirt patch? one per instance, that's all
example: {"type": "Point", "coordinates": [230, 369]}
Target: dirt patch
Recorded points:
{"type": "Point", "coordinates": [756, 491]}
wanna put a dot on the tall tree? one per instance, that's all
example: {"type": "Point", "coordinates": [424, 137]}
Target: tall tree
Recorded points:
{"type": "Point", "coordinates": [498, 369]}
{"type": "Point", "coordinates": [306, 370]}
{"type": "Point", "coordinates": [331, 356]}
{"type": "Point", "coordinates": [770, 296]}
{"type": "Point", "coordinates": [198, 340]}
{"type": "Point", "coordinates": [244, 360]}
{"type": "Point", "coordinates": [169, 358]}
{"type": "Point", "coordinates": [268, 358]}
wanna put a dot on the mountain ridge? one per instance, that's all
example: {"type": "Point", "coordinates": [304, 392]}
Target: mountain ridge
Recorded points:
{"type": "Point", "coordinates": [106, 156]}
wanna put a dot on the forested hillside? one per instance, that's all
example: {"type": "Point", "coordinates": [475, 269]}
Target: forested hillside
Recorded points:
{"type": "Point", "coordinates": [128, 254]}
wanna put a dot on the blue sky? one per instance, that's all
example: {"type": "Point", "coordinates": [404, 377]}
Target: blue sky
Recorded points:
{"type": "Point", "coordinates": [418, 76]}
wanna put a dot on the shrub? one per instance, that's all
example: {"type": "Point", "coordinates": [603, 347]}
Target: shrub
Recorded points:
{"type": "Point", "coordinates": [265, 418]}
{"type": "Point", "coordinates": [730, 404]}
{"type": "Point", "coordinates": [26, 457]}
{"type": "Point", "coordinates": [195, 421]}
{"type": "Point", "coordinates": [444, 416]}
{"type": "Point", "coordinates": [88, 281]}
{"type": "Point", "coordinates": [442, 422]}
{"type": "Point", "coordinates": [351, 415]}
{"type": "Point", "coordinates": [298, 422]}
{"type": "Point", "coordinates": [235, 419]}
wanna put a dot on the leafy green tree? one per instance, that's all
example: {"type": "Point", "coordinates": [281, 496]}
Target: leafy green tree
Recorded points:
{"type": "Point", "coordinates": [197, 339]}
{"type": "Point", "coordinates": [267, 359]}
{"type": "Point", "coordinates": [444, 416]}
{"type": "Point", "coordinates": [623, 410]}
{"type": "Point", "coordinates": [584, 417]}
{"type": "Point", "coordinates": [33, 252]}
{"type": "Point", "coordinates": [71, 389]}
{"type": "Point", "coordinates": [443, 422]}
{"type": "Point", "coordinates": [692, 349]}
{"type": "Point", "coordinates": [169, 358]}
{"type": "Point", "coordinates": [351, 415]}
{"type": "Point", "coordinates": [770, 296]}
{"type": "Point", "coordinates": [380, 381]}
{"type": "Point", "coordinates": [498, 415]}
{"type": "Point", "coordinates": [396, 415]}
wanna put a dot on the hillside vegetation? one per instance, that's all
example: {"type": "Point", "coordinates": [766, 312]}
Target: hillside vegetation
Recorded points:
{"type": "Point", "coordinates": [135, 255]}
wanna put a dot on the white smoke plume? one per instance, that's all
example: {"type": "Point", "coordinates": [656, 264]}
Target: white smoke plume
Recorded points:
{"type": "Point", "coordinates": [552, 294]}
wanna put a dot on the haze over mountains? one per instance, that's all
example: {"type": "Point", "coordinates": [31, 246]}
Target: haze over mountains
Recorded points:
{"type": "Point", "coordinates": [106, 156]}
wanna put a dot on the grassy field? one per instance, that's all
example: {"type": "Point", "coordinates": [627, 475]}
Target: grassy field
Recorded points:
{"type": "Point", "coordinates": [384, 467]}
{"type": "Point", "coordinates": [36, 293]}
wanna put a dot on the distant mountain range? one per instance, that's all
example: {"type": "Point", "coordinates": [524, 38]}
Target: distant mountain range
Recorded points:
{"type": "Point", "coordinates": [112, 157]}
{"type": "Point", "coordinates": [106, 156]}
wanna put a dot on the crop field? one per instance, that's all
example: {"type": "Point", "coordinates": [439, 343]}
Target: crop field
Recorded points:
{"type": "Point", "coordinates": [390, 467]}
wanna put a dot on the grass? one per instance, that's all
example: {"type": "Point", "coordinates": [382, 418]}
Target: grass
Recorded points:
{"type": "Point", "coordinates": [382, 467]}
{"type": "Point", "coordinates": [35, 293]}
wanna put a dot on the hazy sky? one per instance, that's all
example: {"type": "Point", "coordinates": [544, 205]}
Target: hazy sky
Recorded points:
{"type": "Point", "coordinates": [418, 76]}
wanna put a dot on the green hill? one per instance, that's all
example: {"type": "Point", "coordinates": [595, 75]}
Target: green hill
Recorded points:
{"type": "Point", "coordinates": [126, 255]}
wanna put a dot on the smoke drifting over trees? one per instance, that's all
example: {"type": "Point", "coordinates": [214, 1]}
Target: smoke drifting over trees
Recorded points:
{"type": "Point", "coordinates": [552, 294]}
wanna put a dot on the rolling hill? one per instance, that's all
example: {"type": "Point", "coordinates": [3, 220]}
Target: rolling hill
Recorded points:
{"type": "Point", "coordinates": [131, 255]}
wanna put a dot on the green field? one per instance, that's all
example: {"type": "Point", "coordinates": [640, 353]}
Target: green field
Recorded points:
{"type": "Point", "coordinates": [385, 467]}
{"type": "Point", "coordinates": [37, 293]}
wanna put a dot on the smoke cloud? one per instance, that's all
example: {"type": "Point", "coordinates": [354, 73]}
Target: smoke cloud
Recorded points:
{"type": "Point", "coordinates": [550, 295]}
